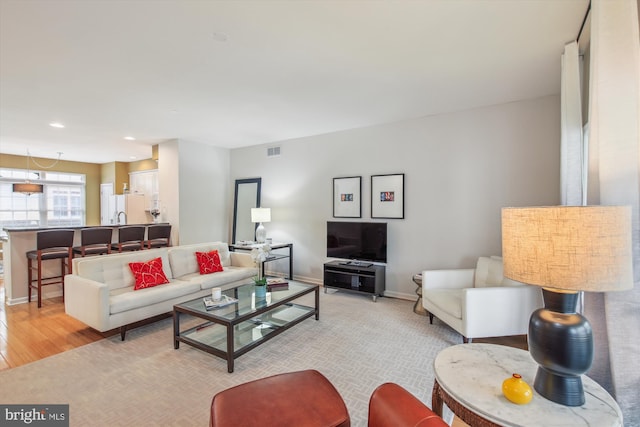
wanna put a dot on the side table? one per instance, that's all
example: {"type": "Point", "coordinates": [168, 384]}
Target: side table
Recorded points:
{"type": "Point", "coordinates": [469, 381]}
{"type": "Point", "coordinates": [418, 308]}
{"type": "Point", "coordinates": [273, 257]}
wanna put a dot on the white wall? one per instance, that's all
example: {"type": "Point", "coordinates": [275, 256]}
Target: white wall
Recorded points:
{"type": "Point", "coordinates": [460, 169]}
{"type": "Point", "coordinates": [168, 186]}
{"type": "Point", "coordinates": [194, 191]}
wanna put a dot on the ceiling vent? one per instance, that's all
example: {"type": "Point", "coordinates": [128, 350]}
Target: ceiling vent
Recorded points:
{"type": "Point", "coordinates": [273, 151]}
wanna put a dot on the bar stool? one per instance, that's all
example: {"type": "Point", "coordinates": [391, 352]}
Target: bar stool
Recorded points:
{"type": "Point", "coordinates": [130, 238]}
{"type": "Point", "coordinates": [50, 244]}
{"type": "Point", "coordinates": [158, 236]}
{"type": "Point", "coordinates": [94, 241]}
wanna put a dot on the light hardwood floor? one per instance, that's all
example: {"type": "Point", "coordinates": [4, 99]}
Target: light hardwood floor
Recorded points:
{"type": "Point", "coordinates": [28, 333]}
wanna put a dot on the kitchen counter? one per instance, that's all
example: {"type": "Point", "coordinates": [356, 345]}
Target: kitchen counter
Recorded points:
{"type": "Point", "coordinates": [19, 241]}
{"type": "Point", "coordinates": [20, 229]}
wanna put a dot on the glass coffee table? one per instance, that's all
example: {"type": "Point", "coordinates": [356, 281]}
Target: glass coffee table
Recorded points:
{"type": "Point", "coordinates": [231, 331]}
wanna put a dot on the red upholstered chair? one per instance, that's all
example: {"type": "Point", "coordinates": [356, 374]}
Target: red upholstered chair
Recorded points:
{"type": "Point", "coordinates": [393, 406]}
{"type": "Point", "coordinates": [294, 399]}
{"type": "Point", "coordinates": [308, 399]}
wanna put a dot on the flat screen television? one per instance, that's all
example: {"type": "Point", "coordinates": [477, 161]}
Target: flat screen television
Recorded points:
{"type": "Point", "coordinates": [358, 241]}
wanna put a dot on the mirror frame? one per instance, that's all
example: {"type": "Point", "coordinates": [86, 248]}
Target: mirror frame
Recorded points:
{"type": "Point", "coordinates": [240, 182]}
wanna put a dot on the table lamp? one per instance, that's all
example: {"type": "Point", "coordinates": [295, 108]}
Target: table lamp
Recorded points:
{"type": "Point", "coordinates": [565, 250]}
{"type": "Point", "coordinates": [260, 215]}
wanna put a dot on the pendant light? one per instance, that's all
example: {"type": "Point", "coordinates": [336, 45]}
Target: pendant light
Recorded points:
{"type": "Point", "coordinates": [27, 187]}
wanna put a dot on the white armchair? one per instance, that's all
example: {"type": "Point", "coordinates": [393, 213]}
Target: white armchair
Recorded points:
{"type": "Point", "coordinates": [480, 302]}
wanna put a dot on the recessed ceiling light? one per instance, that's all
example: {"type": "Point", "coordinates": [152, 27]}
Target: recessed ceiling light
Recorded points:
{"type": "Point", "coordinates": [56, 125]}
{"type": "Point", "coordinates": [132, 157]}
{"type": "Point", "coordinates": [220, 37]}
{"type": "Point", "coordinates": [129, 138]}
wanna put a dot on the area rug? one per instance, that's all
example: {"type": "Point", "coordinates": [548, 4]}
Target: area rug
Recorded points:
{"type": "Point", "coordinates": [357, 344]}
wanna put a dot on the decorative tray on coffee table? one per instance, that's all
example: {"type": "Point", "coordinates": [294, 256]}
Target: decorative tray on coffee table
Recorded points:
{"type": "Point", "coordinates": [210, 304]}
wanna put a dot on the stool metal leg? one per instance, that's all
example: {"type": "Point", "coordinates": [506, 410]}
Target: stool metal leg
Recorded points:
{"type": "Point", "coordinates": [63, 270]}
{"type": "Point", "coordinates": [30, 277]}
{"type": "Point", "coordinates": [39, 281]}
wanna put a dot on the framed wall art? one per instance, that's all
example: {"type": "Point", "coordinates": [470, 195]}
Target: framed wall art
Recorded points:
{"type": "Point", "coordinates": [347, 201]}
{"type": "Point", "coordinates": [387, 196]}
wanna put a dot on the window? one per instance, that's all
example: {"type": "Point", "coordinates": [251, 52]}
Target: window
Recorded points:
{"type": "Point", "coordinates": [62, 204]}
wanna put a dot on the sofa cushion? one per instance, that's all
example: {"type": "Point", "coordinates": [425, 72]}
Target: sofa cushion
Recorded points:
{"type": "Point", "coordinates": [125, 299]}
{"type": "Point", "coordinates": [183, 260]}
{"type": "Point", "coordinates": [226, 277]}
{"type": "Point", "coordinates": [148, 274]}
{"type": "Point", "coordinates": [114, 271]}
{"type": "Point", "coordinates": [448, 300]}
{"type": "Point", "coordinates": [209, 262]}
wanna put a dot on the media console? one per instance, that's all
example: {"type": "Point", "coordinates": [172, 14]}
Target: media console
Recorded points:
{"type": "Point", "coordinates": [362, 277]}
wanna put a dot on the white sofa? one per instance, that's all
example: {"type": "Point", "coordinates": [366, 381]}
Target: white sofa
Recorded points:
{"type": "Point", "coordinates": [100, 291]}
{"type": "Point", "coordinates": [480, 302]}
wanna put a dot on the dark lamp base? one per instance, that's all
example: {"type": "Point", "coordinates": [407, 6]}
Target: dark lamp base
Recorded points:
{"type": "Point", "coordinates": [561, 341]}
{"type": "Point", "coordinates": [565, 390]}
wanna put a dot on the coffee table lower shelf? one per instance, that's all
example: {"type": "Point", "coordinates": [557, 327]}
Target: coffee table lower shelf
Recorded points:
{"type": "Point", "coordinates": [229, 339]}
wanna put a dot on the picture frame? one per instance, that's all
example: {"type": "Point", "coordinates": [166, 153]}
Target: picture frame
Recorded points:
{"type": "Point", "coordinates": [347, 199]}
{"type": "Point", "coordinates": [387, 196]}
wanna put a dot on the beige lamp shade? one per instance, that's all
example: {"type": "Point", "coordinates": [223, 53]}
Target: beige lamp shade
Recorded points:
{"type": "Point", "coordinates": [260, 214]}
{"type": "Point", "coordinates": [581, 248]}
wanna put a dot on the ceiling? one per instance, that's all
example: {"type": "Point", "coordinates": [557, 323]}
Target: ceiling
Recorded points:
{"type": "Point", "coordinates": [241, 73]}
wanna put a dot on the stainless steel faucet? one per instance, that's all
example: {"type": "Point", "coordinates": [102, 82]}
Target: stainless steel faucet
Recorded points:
{"type": "Point", "coordinates": [118, 217]}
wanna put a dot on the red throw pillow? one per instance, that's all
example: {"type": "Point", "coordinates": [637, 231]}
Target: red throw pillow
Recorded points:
{"type": "Point", "coordinates": [209, 262]}
{"type": "Point", "coordinates": [148, 274]}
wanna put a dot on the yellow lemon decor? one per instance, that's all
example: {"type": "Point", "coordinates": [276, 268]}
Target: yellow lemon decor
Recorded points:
{"type": "Point", "coordinates": [517, 390]}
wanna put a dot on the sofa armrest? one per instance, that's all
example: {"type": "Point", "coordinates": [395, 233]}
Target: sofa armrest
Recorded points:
{"type": "Point", "coordinates": [499, 311]}
{"type": "Point", "coordinates": [242, 259]}
{"type": "Point", "coordinates": [448, 279]}
{"type": "Point", "coordinates": [393, 406]}
{"type": "Point", "coordinates": [87, 301]}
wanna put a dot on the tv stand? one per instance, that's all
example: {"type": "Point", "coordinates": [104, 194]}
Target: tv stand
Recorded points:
{"type": "Point", "coordinates": [353, 276]}
{"type": "Point", "coordinates": [357, 263]}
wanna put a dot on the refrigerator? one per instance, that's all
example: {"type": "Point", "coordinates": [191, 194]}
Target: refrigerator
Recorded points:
{"type": "Point", "coordinates": [127, 209]}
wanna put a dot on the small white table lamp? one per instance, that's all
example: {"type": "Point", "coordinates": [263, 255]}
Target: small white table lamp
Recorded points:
{"type": "Point", "coordinates": [260, 215]}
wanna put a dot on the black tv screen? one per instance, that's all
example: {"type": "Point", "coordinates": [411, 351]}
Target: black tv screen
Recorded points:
{"type": "Point", "coordinates": [362, 241]}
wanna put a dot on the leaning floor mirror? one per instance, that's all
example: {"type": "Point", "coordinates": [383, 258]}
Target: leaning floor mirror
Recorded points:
{"type": "Point", "coordinates": [247, 196]}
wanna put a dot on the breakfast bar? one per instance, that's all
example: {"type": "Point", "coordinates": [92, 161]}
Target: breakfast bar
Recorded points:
{"type": "Point", "coordinates": [19, 242]}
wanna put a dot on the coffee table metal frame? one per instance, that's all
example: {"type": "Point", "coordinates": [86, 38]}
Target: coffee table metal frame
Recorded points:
{"type": "Point", "coordinates": [232, 331]}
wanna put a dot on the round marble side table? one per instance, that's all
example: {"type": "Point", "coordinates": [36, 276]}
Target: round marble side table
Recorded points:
{"type": "Point", "coordinates": [469, 381]}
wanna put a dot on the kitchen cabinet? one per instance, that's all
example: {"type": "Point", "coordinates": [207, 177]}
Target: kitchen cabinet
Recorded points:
{"type": "Point", "coordinates": [146, 184]}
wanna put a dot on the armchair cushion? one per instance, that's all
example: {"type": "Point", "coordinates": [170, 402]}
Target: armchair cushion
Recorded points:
{"type": "Point", "coordinates": [448, 300]}
{"type": "Point", "coordinates": [489, 272]}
